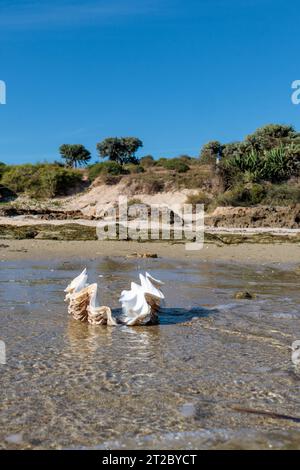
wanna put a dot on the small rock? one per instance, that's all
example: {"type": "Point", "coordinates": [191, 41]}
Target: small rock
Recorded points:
{"type": "Point", "coordinates": [244, 295]}
{"type": "Point", "coordinates": [14, 438]}
{"type": "Point", "coordinates": [188, 410]}
{"type": "Point", "coordinates": [148, 255]}
{"type": "Point", "coordinates": [143, 255]}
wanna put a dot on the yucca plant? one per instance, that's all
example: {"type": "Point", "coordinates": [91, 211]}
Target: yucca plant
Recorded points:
{"type": "Point", "coordinates": [279, 164]}
{"type": "Point", "coordinates": [248, 165]}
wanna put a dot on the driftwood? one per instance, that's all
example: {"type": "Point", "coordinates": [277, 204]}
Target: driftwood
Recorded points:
{"type": "Point", "coordinates": [271, 414]}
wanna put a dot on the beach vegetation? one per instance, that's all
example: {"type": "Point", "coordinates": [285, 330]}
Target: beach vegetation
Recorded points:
{"type": "Point", "coordinates": [264, 168]}
{"type": "Point", "coordinates": [147, 161]}
{"type": "Point", "coordinates": [199, 198]}
{"type": "Point", "coordinates": [211, 152]}
{"type": "Point", "coordinates": [41, 180]}
{"type": "Point", "coordinates": [175, 164]}
{"type": "Point", "coordinates": [105, 168]}
{"type": "Point", "coordinates": [74, 155]}
{"type": "Point", "coordinates": [121, 150]}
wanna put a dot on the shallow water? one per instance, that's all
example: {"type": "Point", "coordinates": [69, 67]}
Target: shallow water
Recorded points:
{"type": "Point", "coordinates": [186, 383]}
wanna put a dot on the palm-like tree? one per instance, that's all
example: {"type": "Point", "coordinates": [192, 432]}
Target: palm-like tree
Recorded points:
{"type": "Point", "coordinates": [75, 154]}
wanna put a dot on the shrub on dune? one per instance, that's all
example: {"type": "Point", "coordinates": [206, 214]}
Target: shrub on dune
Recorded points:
{"type": "Point", "coordinates": [41, 180]}
{"type": "Point", "coordinates": [105, 168]}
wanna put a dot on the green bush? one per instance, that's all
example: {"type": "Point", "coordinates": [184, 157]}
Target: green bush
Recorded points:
{"type": "Point", "coordinates": [41, 180]}
{"type": "Point", "coordinates": [134, 201]}
{"type": "Point", "coordinates": [147, 161]}
{"type": "Point", "coordinates": [18, 178]}
{"type": "Point", "coordinates": [146, 183]}
{"type": "Point", "coordinates": [186, 158]}
{"type": "Point", "coordinates": [56, 181]}
{"type": "Point", "coordinates": [242, 195]}
{"type": "Point", "coordinates": [105, 168]}
{"type": "Point", "coordinates": [161, 161]}
{"type": "Point", "coordinates": [132, 168]}
{"type": "Point", "coordinates": [275, 165]}
{"type": "Point", "coordinates": [211, 152]}
{"type": "Point", "coordinates": [282, 195]}
{"type": "Point", "coordinates": [199, 198]}
{"type": "Point", "coordinates": [174, 164]}
{"type": "Point", "coordinates": [280, 163]}
{"type": "Point", "coordinates": [3, 168]}
{"type": "Point", "coordinates": [263, 194]}
{"type": "Point", "coordinates": [111, 180]}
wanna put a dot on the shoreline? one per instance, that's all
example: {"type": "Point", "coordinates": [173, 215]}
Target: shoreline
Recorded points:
{"type": "Point", "coordinates": [22, 221]}
{"type": "Point", "coordinates": [30, 249]}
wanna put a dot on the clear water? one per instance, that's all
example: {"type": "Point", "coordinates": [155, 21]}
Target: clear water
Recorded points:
{"type": "Point", "coordinates": [187, 383]}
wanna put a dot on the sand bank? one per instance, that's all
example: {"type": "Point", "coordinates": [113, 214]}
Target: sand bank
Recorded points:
{"type": "Point", "coordinates": [54, 249]}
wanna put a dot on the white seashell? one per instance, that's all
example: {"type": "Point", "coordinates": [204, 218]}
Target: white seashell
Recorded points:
{"type": "Point", "coordinates": [83, 304]}
{"type": "Point", "coordinates": [140, 304]}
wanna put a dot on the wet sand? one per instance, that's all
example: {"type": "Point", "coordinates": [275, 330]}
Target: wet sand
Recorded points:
{"type": "Point", "coordinates": [52, 249]}
{"type": "Point", "coordinates": [215, 373]}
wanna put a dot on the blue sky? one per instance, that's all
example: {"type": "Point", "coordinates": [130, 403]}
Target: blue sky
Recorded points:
{"type": "Point", "coordinates": [175, 73]}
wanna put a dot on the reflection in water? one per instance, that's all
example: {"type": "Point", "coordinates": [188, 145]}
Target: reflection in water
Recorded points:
{"type": "Point", "coordinates": [84, 338]}
{"type": "Point", "coordinates": [179, 384]}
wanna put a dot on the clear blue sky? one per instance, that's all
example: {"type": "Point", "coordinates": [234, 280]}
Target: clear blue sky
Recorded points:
{"type": "Point", "coordinates": [175, 73]}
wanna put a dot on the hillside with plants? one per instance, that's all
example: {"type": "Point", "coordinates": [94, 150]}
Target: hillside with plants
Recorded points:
{"type": "Point", "coordinates": [261, 170]}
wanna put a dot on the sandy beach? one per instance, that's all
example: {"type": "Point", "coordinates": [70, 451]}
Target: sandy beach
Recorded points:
{"type": "Point", "coordinates": [53, 249]}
